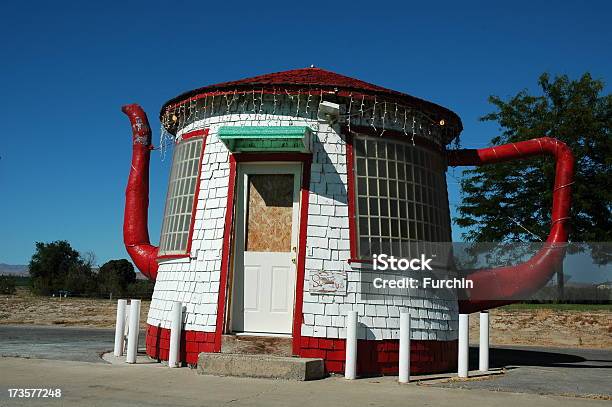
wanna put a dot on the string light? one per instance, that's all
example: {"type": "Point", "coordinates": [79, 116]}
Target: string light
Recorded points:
{"type": "Point", "coordinates": [212, 105]}
{"type": "Point", "coordinates": [261, 101]}
{"type": "Point", "coordinates": [395, 117]}
{"type": "Point", "coordinates": [319, 107]}
{"type": "Point", "coordinates": [383, 119]}
{"type": "Point", "coordinates": [244, 101]}
{"type": "Point", "coordinates": [373, 114]}
{"type": "Point", "coordinates": [308, 102]}
{"type": "Point", "coordinates": [349, 111]}
{"type": "Point", "coordinates": [196, 113]}
{"type": "Point", "coordinates": [362, 105]}
{"type": "Point", "coordinates": [205, 106]}
{"type": "Point", "coordinates": [413, 128]}
{"type": "Point", "coordinates": [297, 111]}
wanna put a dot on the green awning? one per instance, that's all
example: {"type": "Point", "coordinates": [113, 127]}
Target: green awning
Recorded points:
{"type": "Point", "coordinates": [266, 138]}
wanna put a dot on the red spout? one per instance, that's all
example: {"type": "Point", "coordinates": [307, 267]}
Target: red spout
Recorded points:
{"type": "Point", "coordinates": [507, 284]}
{"type": "Point", "coordinates": [135, 229]}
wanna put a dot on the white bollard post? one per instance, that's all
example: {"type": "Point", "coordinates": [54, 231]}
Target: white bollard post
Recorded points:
{"type": "Point", "coordinates": [350, 368]}
{"type": "Point", "coordinates": [404, 348]}
{"type": "Point", "coordinates": [134, 322]}
{"type": "Point", "coordinates": [119, 327]}
{"type": "Point", "coordinates": [127, 328]}
{"type": "Point", "coordinates": [464, 347]}
{"type": "Point", "coordinates": [483, 360]}
{"type": "Point", "coordinates": [175, 334]}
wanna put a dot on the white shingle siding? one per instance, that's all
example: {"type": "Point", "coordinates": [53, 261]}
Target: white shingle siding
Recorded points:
{"type": "Point", "coordinates": [332, 286]}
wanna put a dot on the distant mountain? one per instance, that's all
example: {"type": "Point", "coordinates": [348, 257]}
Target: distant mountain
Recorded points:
{"type": "Point", "coordinates": [14, 269]}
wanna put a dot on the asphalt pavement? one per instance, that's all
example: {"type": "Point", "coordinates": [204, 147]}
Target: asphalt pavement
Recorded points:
{"type": "Point", "coordinates": [57, 342]}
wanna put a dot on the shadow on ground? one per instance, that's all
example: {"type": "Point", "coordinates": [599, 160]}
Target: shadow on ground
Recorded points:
{"type": "Point", "coordinates": [570, 372]}
{"type": "Point", "coordinates": [571, 358]}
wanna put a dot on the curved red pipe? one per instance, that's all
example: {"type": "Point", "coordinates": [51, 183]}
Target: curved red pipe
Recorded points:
{"type": "Point", "coordinates": [509, 284]}
{"type": "Point", "coordinates": [135, 229]}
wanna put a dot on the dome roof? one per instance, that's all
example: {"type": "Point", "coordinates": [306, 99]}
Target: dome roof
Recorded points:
{"type": "Point", "coordinates": [321, 79]}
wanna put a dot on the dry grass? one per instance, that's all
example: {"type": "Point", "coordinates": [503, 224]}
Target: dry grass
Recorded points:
{"type": "Point", "coordinates": [531, 326]}
{"type": "Point", "coordinates": [25, 308]}
{"type": "Point", "coordinates": [548, 327]}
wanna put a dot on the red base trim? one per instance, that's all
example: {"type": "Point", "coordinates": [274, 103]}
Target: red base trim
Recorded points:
{"type": "Point", "coordinates": [373, 357]}
{"type": "Point", "coordinates": [192, 343]}
{"type": "Point", "coordinates": [376, 358]}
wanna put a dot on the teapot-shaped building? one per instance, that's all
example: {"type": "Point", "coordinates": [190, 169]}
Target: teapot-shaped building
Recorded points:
{"type": "Point", "coordinates": [282, 187]}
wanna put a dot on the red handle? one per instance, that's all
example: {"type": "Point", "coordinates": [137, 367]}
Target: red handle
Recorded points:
{"type": "Point", "coordinates": [503, 285]}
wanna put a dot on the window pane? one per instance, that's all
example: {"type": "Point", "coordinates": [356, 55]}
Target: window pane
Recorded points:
{"type": "Point", "coordinates": [382, 169]}
{"type": "Point", "coordinates": [361, 166]}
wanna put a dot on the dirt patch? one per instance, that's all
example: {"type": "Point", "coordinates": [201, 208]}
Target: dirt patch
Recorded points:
{"type": "Point", "coordinates": [542, 327]}
{"type": "Point", "coordinates": [547, 327]}
{"type": "Point", "coordinates": [25, 308]}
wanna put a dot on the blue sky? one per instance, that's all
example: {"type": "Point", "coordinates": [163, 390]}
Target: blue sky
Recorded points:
{"type": "Point", "coordinates": [68, 67]}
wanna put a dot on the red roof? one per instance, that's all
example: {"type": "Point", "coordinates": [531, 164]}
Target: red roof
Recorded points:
{"type": "Point", "coordinates": [322, 79]}
{"type": "Point", "coordinates": [306, 76]}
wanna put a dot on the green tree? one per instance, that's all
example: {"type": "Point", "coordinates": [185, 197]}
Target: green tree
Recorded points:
{"type": "Point", "coordinates": [50, 264]}
{"type": "Point", "coordinates": [57, 266]}
{"type": "Point", "coordinates": [511, 201]}
{"type": "Point", "coordinates": [115, 276]}
{"type": "Point", "coordinates": [7, 285]}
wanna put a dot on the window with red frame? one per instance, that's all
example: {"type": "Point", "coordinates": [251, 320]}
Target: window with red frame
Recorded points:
{"type": "Point", "coordinates": [400, 196]}
{"type": "Point", "coordinates": [180, 198]}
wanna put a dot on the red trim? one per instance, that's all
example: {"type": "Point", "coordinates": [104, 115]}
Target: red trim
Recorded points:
{"type": "Point", "coordinates": [350, 192]}
{"type": "Point", "coordinates": [186, 136]}
{"type": "Point", "coordinates": [225, 254]}
{"type": "Point", "coordinates": [306, 159]}
{"type": "Point", "coordinates": [373, 357]}
{"type": "Point", "coordinates": [204, 135]}
{"type": "Point", "coordinates": [301, 260]}
{"type": "Point", "coordinates": [382, 357]}
{"type": "Point", "coordinates": [191, 344]}
{"type": "Point", "coordinates": [194, 133]}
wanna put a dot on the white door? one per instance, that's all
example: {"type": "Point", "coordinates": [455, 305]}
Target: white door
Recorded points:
{"type": "Point", "coordinates": [267, 218]}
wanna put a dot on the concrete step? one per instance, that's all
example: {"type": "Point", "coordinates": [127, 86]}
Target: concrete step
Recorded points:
{"type": "Point", "coordinates": [263, 366]}
{"type": "Point", "coordinates": [256, 345]}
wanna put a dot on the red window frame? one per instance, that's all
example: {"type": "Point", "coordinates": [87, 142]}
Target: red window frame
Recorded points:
{"type": "Point", "coordinates": [350, 166]}
{"type": "Point", "coordinates": [186, 136]}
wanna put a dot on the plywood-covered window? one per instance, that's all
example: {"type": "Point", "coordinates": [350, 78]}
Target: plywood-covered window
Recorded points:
{"type": "Point", "coordinates": [270, 211]}
{"type": "Point", "coordinates": [400, 196]}
{"type": "Point", "coordinates": [180, 199]}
